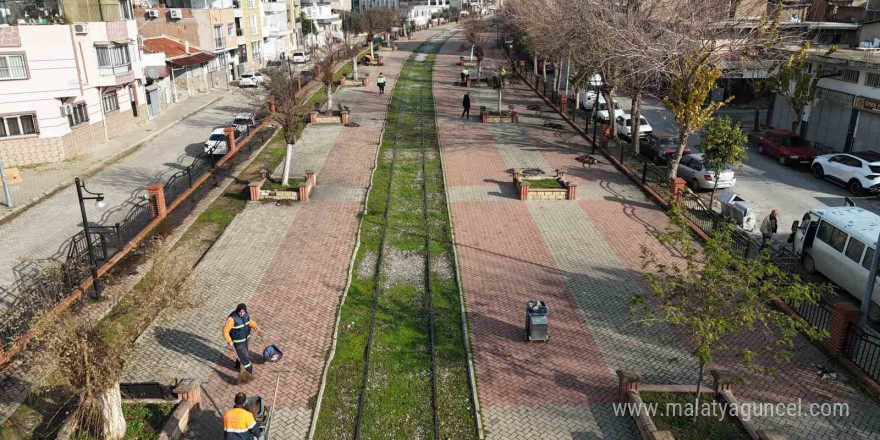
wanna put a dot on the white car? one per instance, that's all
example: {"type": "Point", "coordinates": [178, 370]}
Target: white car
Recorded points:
{"type": "Point", "coordinates": [859, 172]}
{"type": "Point", "coordinates": [692, 170]}
{"type": "Point", "coordinates": [259, 78]}
{"type": "Point", "coordinates": [216, 143]}
{"type": "Point", "coordinates": [299, 57]}
{"type": "Point", "coordinates": [623, 126]}
{"type": "Point", "coordinates": [247, 80]}
{"type": "Point", "coordinates": [244, 122]}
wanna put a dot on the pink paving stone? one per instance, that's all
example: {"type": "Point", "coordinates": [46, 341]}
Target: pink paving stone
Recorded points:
{"type": "Point", "coordinates": [351, 158]}
{"type": "Point", "coordinates": [470, 155]}
{"type": "Point", "coordinates": [295, 305]}
{"type": "Point", "coordinates": [504, 262]}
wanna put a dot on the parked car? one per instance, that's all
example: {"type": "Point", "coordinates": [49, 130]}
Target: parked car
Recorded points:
{"type": "Point", "coordinates": [787, 147]}
{"type": "Point", "coordinates": [216, 143]}
{"type": "Point", "coordinates": [623, 123]}
{"type": "Point", "coordinates": [692, 170]}
{"type": "Point", "coordinates": [859, 172]}
{"type": "Point", "coordinates": [247, 80]}
{"type": "Point", "coordinates": [299, 57]}
{"type": "Point", "coordinates": [244, 122]}
{"type": "Point", "coordinates": [661, 146]}
{"type": "Point", "coordinates": [259, 78]}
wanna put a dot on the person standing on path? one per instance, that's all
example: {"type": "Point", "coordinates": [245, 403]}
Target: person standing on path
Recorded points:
{"type": "Point", "coordinates": [466, 103]}
{"type": "Point", "coordinates": [237, 331]}
{"type": "Point", "coordinates": [239, 423]}
{"type": "Point", "coordinates": [503, 75]}
{"type": "Point", "coordinates": [768, 228]}
{"type": "Point", "coordinates": [380, 81]}
{"type": "Point", "coordinates": [465, 75]}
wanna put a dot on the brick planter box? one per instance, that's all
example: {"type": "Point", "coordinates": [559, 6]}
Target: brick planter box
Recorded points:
{"type": "Point", "coordinates": [463, 63]}
{"type": "Point", "coordinates": [526, 192]}
{"type": "Point", "coordinates": [348, 81]}
{"type": "Point", "coordinates": [331, 117]}
{"type": "Point", "coordinates": [301, 194]}
{"type": "Point", "coordinates": [493, 117]}
{"type": "Point", "coordinates": [630, 386]}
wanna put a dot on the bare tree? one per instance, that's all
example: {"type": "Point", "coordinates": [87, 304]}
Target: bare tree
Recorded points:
{"type": "Point", "coordinates": [326, 58]}
{"type": "Point", "coordinates": [290, 110]}
{"type": "Point", "coordinates": [373, 21]}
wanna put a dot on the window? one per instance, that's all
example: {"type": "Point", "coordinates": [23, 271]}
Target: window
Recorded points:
{"type": "Point", "coordinates": [253, 19]}
{"type": "Point", "coordinates": [18, 125]}
{"type": "Point", "coordinates": [110, 102]}
{"type": "Point", "coordinates": [872, 79]}
{"type": "Point", "coordinates": [230, 29]}
{"type": "Point", "coordinates": [125, 9]}
{"type": "Point", "coordinates": [78, 114]}
{"type": "Point", "coordinates": [256, 50]}
{"type": "Point", "coordinates": [849, 75]}
{"type": "Point", "coordinates": [113, 60]}
{"type": "Point", "coordinates": [13, 67]}
{"type": "Point", "coordinates": [832, 236]}
{"type": "Point", "coordinates": [854, 250]}
{"type": "Point", "coordinates": [866, 262]}
{"type": "Point", "coordinates": [250, 4]}
{"type": "Point", "coordinates": [218, 36]}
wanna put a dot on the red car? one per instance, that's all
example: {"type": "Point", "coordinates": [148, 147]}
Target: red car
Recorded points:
{"type": "Point", "coordinates": [787, 147]}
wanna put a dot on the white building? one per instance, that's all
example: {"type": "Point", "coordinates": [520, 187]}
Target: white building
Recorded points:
{"type": "Point", "coordinates": [65, 88]}
{"type": "Point", "coordinates": [328, 25]}
{"type": "Point", "coordinates": [276, 31]}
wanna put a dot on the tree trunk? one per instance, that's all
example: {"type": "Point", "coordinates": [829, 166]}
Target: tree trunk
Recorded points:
{"type": "Point", "coordinates": [68, 429]}
{"type": "Point", "coordinates": [472, 53]}
{"type": "Point", "coordinates": [111, 409]}
{"type": "Point", "coordinates": [354, 67]}
{"type": "Point", "coordinates": [796, 124]}
{"type": "Point", "coordinates": [699, 390]}
{"type": "Point", "coordinates": [714, 188]}
{"type": "Point", "coordinates": [673, 163]}
{"type": "Point", "coordinates": [499, 101]}
{"type": "Point", "coordinates": [372, 54]}
{"type": "Point", "coordinates": [285, 176]}
{"type": "Point", "coordinates": [535, 63]}
{"type": "Point", "coordinates": [609, 102]}
{"type": "Point", "coordinates": [636, 112]}
{"type": "Point", "coordinates": [558, 76]}
{"type": "Point", "coordinates": [479, 70]}
{"type": "Point", "coordinates": [330, 97]}
{"type": "Point", "coordinates": [577, 99]}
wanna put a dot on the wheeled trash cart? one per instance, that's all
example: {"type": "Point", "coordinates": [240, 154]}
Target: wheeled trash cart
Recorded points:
{"type": "Point", "coordinates": [536, 321]}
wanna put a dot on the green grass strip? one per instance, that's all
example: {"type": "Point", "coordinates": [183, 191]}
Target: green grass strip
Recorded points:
{"type": "Point", "coordinates": [398, 397]}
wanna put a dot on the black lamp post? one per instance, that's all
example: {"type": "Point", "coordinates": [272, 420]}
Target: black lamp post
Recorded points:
{"type": "Point", "coordinates": [100, 205]}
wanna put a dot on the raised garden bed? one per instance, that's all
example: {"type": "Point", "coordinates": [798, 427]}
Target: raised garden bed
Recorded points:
{"type": "Point", "coordinates": [544, 187]}
{"type": "Point", "coordinates": [466, 63]}
{"type": "Point", "coordinates": [348, 80]}
{"type": "Point", "coordinates": [674, 405]}
{"type": "Point", "coordinates": [297, 190]}
{"type": "Point", "coordinates": [340, 115]}
{"type": "Point", "coordinates": [494, 117]}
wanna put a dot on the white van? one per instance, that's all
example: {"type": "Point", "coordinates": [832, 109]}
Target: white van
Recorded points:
{"type": "Point", "coordinates": [838, 242]}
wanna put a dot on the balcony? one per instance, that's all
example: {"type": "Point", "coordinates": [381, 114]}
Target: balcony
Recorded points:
{"type": "Point", "coordinates": [274, 7]}
{"type": "Point", "coordinates": [114, 70]}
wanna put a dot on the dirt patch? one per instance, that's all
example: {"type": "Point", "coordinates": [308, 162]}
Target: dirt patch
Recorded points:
{"type": "Point", "coordinates": [441, 268]}
{"type": "Point", "coordinates": [404, 268]}
{"type": "Point", "coordinates": [366, 268]}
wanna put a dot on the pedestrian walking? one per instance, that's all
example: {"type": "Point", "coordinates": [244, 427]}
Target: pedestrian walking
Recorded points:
{"type": "Point", "coordinates": [380, 81]}
{"type": "Point", "coordinates": [768, 228]}
{"type": "Point", "coordinates": [503, 75]}
{"type": "Point", "coordinates": [465, 75]}
{"type": "Point", "coordinates": [239, 423]}
{"type": "Point", "coordinates": [466, 104]}
{"type": "Point", "coordinates": [237, 331]}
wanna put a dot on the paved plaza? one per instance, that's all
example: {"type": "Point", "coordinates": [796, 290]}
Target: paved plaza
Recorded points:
{"type": "Point", "coordinates": [583, 258]}
{"type": "Point", "coordinates": [289, 264]}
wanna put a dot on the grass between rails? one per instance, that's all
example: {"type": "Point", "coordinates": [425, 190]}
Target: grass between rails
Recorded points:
{"type": "Point", "coordinates": [398, 399]}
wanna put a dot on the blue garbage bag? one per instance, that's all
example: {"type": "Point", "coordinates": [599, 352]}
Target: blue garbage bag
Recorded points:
{"type": "Point", "coordinates": [272, 353]}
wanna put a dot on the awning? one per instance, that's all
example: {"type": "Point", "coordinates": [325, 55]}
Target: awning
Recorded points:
{"type": "Point", "coordinates": [199, 58]}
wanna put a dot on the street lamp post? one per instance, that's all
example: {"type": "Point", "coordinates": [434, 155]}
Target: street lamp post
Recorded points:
{"type": "Point", "coordinates": [595, 84]}
{"type": "Point", "coordinates": [100, 205]}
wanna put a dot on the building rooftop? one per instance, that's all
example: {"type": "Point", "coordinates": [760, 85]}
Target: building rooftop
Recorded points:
{"type": "Point", "coordinates": [864, 57]}
{"type": "Point", "coordinates": [171, 47]}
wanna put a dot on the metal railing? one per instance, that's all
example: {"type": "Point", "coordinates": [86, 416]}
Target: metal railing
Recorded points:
{"type": "Point", "coordinates": [863, 349]}
{"type": "Point", "coordinates": [817, 314]}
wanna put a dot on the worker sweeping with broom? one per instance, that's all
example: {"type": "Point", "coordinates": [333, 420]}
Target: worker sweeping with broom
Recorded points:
{"type": "Point", "coordinates": [237, 331]}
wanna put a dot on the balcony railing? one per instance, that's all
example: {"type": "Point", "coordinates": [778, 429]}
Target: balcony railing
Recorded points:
{"type": "Point", "coordinates": [219, 43]}
{"type": "Point", "coordinates": [114, 70]}
{"type": "Point", "coordinates": [274, 7]}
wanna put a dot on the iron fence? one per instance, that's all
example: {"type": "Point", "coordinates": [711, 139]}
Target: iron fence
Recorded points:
{"type": "Point", "coordinates": [817, 314]}
{"type": "Point", "coordinates": [863, 349]}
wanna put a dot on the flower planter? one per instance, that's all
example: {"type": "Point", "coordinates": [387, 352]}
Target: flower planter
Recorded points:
{"type": "Point", "coordinates": [524, 187]}
{"type": "Point", "coordinates": [331, 117]}
{"type": "Point", "coordinates": [630, 386]}
{"type": "Point", "coordinates": [348, 81]}
{"type": "Point", "coordinates": [300, 194]}
{"type": "Point", "coordinates": [494, 117]}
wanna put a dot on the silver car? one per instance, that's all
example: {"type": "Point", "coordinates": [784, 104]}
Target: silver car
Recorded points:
{"type": "Point", "coordinates": [692, 170]}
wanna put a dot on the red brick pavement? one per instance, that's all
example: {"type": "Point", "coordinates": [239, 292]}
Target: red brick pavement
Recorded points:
{"type": "Point", "coordinates": [504, 262]}
{"type": "Point", "coordinates": [351, 158]}
{"type": "Point", "coordinates": [470, 155]}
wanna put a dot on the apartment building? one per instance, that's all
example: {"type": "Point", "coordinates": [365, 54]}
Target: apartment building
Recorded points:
{"type": "Point", "coordinates": [66, 87]}
{"type": "Point", "coordinates": [328, 25]}
{"type": "Point", "coordinates": [210, 25]}
{"type": "Point", "coordinates": [276, 30]}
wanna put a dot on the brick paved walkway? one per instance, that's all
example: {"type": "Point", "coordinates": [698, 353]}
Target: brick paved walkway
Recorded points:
{"type": "Point", "coordinates": [582, 258]}
{"type": "Point", "coordinates": [289, 264]}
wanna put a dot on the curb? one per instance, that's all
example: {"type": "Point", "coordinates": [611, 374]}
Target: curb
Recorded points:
{"type": "Point", "coordinates": [94, 169]}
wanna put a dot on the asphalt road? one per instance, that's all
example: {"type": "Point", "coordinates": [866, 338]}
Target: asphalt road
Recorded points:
{"type": "Point", "coordinates": [42, 232]}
